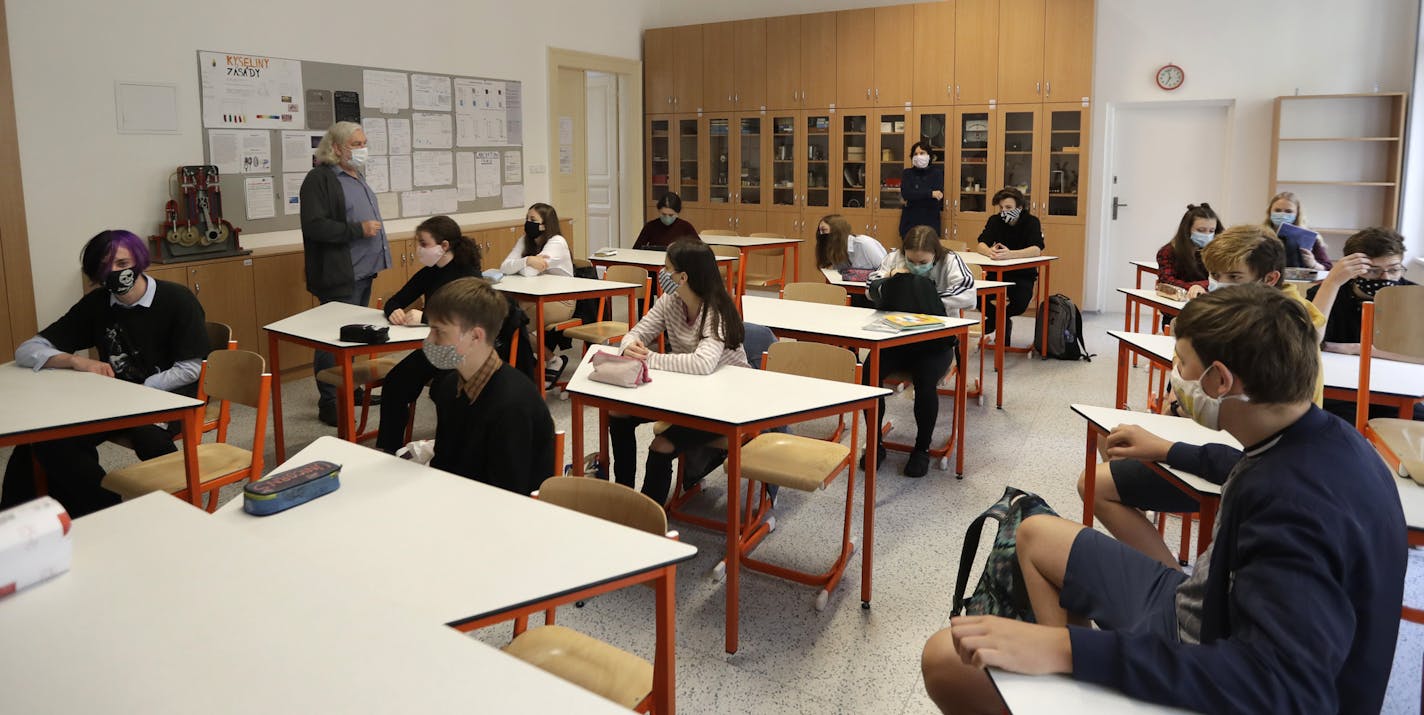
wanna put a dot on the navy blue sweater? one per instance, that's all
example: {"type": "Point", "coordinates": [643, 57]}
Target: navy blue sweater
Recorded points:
{"type": "Point", "coordinates": [1302, 602]}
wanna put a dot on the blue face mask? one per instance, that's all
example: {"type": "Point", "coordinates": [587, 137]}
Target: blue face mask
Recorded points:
{"type": "Point", "coordinates": [1201, 239]}
{"type": "Point", "coordinates": [1280, 217]}
{"type": "Point", "coordinates": [920, 269]}
{"type": "Point", "coordinates": [667, 220]}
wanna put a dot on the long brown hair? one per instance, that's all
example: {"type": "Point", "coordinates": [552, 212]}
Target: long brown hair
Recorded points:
{"type": "Point", "coordinates": [550, 218]}
{"type": "Point", "coordinates": [443, 229]}
{"type": "Point", "coordinates": [696, 259]}
{"type": "Point", "coordinates": [831, 251]}
{"type": "Point", "coordinates": [1186, 254]}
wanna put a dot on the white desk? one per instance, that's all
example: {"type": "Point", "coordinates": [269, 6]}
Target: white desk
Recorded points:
{"type": "Point", "coordinates": [1102, 420]}
{"type": "Point", "coordinates": [721, 403]}
{"type": "Point", "coordinates": [320, 328]}
{"type": "Point", "coordinates": [161, 602]}
{"type": "Point", "coordinates": [996, 270]}
{"type": "Point", "coordinates": [450, 550]}
{"type": "Point", "coordinates": [53, 404]}
{"type": "Point", "coordinates": [651, 261]}
{"type": "Point", "coordinates": [1400, 384]}
{"type": "Point", "coordinates": [1144, 269]}
{"type": "Point", "coordinates": [1029, 694]}
{"type": "Point", "coordinates": [843, 326]}
{"type": "Point", "coordinates": [1138, 298]}
{"type": "Point", "coordinates": [545, 288]}
{"type": "Point", "coordinates": [749, 245]}
{"type": "Point", "coordinates": [1158, 349]}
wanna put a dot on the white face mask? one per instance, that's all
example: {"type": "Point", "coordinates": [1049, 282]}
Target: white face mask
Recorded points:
{"type": "Point", "coordinates": [1204, 409]}
{"type": "Point", "coordinates": [358, 158]}
{"type": "Point", "coordinates": [920, 160]}
{"type": "Point", "coordinates": [429, 255]}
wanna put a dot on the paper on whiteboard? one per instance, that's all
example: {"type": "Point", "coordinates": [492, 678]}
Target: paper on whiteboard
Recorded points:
{"type": "Point", "coordinates": [384, 90]}
{"type": "Point", "coordinates": [413, 203]}
{"type": "Point", "coordinates": [465, 176]}
{"type": "Point", "coordinates": [431, 131]}
{"type": "Point", "coordinates": [292, 193]}
{"type": "Point", "coordinates": [400, 174]}
{"type": "Point", "coordinates": [378, 175]}
{"type": "Point", "coordinates": [443, 201]}
{"type": "Point", "coordinates": [430, 92]}
{"type": "Point", "coordinates": [261, 201]}
{"type": "Point", "coordinates": [236, 151]}
{"type": "Point", "coordinates": [487, 173]}
{"type": "Point", "coordinates": [513, 167]}
{"type": "Point", "coordinates": [399, 131]}
{"type": "Point", "coordinates": [481, 117]}
{"type": "Point", "coordinates": [513, 196]}
{"type": "Point", "coordinates": [251, 91]}
{"type": "Point", "coordinates": [514, 113]}
{"type": "Point", "coordinates": [299, 149]}
{"type": "Point", "coordinates": [389, 204]}
{"type": "Point", "coordinates": [566, 160]}
{"type": "Point", "coordinates": [433, 168]}
{"type": "Point", "coordinates": [375, 128]}
{"type": "Point", "coordinates": [428, 202]}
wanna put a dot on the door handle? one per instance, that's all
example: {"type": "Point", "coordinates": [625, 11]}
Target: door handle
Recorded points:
{"type": "Point", "coordinates": [1115, 205]}
{"type": "Point", "coordinates": [1048, 88]}
{"type": "Point", "coordinates": [877, 93]}
{"type": "Point", "coordinates": [867, 93]}
{"type": "Point", "coordinates": [956, 91]}
{"type": "Point", "coordinates": [948, 89]}
{"type": "Point", "coordinates": [1036, 87]}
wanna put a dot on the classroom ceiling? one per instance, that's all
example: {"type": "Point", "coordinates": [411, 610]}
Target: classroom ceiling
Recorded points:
{"type": "Point", "coordinates": [671, 13]}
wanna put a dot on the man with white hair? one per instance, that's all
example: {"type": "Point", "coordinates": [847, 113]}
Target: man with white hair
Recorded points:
{"type": "Point", "coordinates": [342, 234]}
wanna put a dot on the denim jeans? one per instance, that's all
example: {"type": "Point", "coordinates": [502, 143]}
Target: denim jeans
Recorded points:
{"type": "Point", "coordinates": [326, 394]}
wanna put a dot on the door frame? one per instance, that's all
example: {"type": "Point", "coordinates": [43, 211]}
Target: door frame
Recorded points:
{"type": "Point", "coordinates": [1097, 253]}
{"type": "Point", "coordinates": [630, 143]}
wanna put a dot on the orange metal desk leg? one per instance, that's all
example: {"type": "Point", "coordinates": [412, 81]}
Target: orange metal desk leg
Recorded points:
{"type": "Point", "coordinates": [1121, 400]}
{"type": "Point", "coordinates": [1090, 464]}
{"type": "Point", "coordinates": [539, 343]}
{"type": "Point", "coordinates": [273, 359]}
{"type": "Point", "coordinates": [734, 545]}
{"type": "Point", "coordinates": [576, 427]}
{"type": "Point", "coordinates": [345, 404]}
{"type": "Point", "coordinates": [664, 663]}
{"type": "Point", "coordinates": [960, 397]}
{"type": "Point", "coordinates": [872, 440]}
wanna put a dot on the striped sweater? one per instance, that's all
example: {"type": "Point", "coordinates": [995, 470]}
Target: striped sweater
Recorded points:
{"type": "Point", "coordinates": [952, 279]}
{"type": "Point", "coordinates": [692, 347]}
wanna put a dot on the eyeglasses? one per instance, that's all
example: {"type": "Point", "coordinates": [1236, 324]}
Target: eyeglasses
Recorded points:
{"type": "Point", "coordinates": [1394, 272]}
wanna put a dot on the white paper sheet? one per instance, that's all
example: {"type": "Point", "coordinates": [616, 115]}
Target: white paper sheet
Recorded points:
{"type": "Point", "coordinates": [465, 176]}
{"type": "Point", "coordinates": [375, 128]}
{"type": "Point", "coordinates": [487, 173]}
{"type": "Point", "coordinates": [292, 194]}
{"type": "Point", "coordinates": [389, 204]}
{"type": "Point", "coordinates": [261, 200]}
{"type": "Point", "coordinates": [298, 149]}
{"type": "Point", "coordinates": [443, 201]}
{"type": "Point", "coordinates": [237, 151]}
{"type": "Point", "coordinates": [428, 202]}
{"type": "Point", "coordinates": [413, 203]}
{"type": "Point", "coordinates": [513, 196]}
{"type": "Point", "coordinates": [431, 131]}
{"type": "Point", "coordinates": [251, 91]}
{"type": "Point", "coordinates": [481, 113]}
{"type": "Point", "coordinates": [385, 90]}
{"type": "Point", "coordinates": [513, 167]}
{"type": "Point", "coordinates": [566, 160]}
{"type": "Point", "coordinates": [433, 168]}
{"type": "Point", "coordinates": [378, 174]}
{"type": "Point", "coordinates": [401, 179]}
{"type": "Point", "coordinates": [399, 131]}
{"type": "Point", "coordinates": [430, 92]}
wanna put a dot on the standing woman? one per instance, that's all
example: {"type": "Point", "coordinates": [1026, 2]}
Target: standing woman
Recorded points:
{"type": "Point", "coordinates": [1179, 262]}
{"type": "Point", "coordinates": [922, 188]}
{"type": "Point", "coordinates": [1285, 208]}
{"type": "Point", "coordinates": [542, 250]}
{"type": "Point", "coordinates": [659, 233]}
{"type": "Point", "coordinates": [1012, 233]}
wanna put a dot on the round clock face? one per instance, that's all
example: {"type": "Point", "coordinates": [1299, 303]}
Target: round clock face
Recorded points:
{"type": "Point", "coordinates": [1170, 77]}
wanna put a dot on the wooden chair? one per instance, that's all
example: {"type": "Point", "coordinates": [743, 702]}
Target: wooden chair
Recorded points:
{"type": "Point", "coordinates": [824, 293]}
{"type": "Point", "coordinates": [1391, 323]}
{"type": "Point", "coordinates": [230, 376]}
{"type": "Point", "coordinates": [728, 269]}
{"type": "Point", "coordinates": [585, 661]}
{"type": "Point", "coordinates": [611, 331]}
{"type": "Point", "coordinates": [771, 273]}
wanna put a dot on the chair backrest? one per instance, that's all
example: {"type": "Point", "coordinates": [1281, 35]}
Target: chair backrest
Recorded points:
{"type": "Point", "coordinates": [582, 263]}
{"type": "Point", "coordinates": [220, 336]}
{"type": "Point", "coordinates": [815, 293]}
{"type": "Point", "coordinates": [234, 376]}
{"type": "Point", "coordinates": [826, 362]}
{"type": "Point", "coordinates": [606, 500]}
{"type": "Point", "coordinates": [717, 232]}
{"type": "Point", "coordinates": [954, 245]}
{"type": "Point", "coordinates": [1397, 330]}
{"type": "Point", "coordinates": [630, 274]}
{"type": "Point", "coordinates": [729, 251]}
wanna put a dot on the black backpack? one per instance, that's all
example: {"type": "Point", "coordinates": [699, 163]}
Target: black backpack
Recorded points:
{"type": "Point", "coordinates": [1000, 591]}
{"type": "Point", "coordinates": [1065, 330]}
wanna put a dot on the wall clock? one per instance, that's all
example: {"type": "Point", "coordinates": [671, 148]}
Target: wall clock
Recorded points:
{"type": "Point", "coordinates": [1170, 77]}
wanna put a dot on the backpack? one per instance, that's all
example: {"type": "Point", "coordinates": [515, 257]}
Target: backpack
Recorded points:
{"type": "Point", "coordinates": [1000, 591]}
{"type": "Point", "coordinates": [1065, 330]}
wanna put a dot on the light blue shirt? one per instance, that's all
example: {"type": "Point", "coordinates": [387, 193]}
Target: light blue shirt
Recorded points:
{"type": "Point", "coordinates": [369, 255]}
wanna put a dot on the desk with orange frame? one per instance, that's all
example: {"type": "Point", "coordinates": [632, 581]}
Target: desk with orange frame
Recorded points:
{"type": "Point", "coordinates": [749, 245]}
{"type": "Point", "coordinates": [651, 261]}
{"type": "Point", "coordinates": [546, 288]}
{"type": "Point", "coordinates": [721, 403]}
{"type": "Point", "coordinates": [995, 270]}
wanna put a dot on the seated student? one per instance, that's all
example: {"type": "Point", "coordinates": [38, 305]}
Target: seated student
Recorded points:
{"type": "Point", "coordinates": [491, 426]}
{"type": "Point", "coordinates": [1293, 607]}
{"type": "Point", "coordinates": [543, 250]}
{"type": "Point", "coordinates": [660, 233]}
{"type": "Point", "coordinates": [1126, 487]}
{"type": "Point", "coordinates": [704, 332]}
{"type": "Point", "coordinates": [1011, 233]}
{"type": "Point", "coordinates": [146, 331]}
{"type": "Point", "coordinates": [942, 274]}
{"type": "Point", "coordinates": [1179, 262]}
{"type": "Point", "coordinates": [838, 248]}
{"type": "Point", "coordinates": [1285, 208]}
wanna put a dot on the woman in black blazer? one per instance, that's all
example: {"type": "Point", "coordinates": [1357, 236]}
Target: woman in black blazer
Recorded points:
{"type": "Point", "coordinates": [922, 188]}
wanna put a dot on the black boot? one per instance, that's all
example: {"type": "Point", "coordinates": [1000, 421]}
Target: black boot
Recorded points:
{"type": "Point", "coordinates": [657, 477]}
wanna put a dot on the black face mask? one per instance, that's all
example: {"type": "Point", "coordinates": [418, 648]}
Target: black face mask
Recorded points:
{"type": "Point", "coordinates": [1371, 286]}
{"type": "Point", "coordinates": [121, 282]}
{"type": "Point", "coordinates": [823, 236]}
{"type": "Point", "coordinates": [531, 229]}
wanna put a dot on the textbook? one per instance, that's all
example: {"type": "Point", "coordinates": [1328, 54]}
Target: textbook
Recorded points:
{"type": "Point", "coordinates": [899, 322]}
{"type": "Point", "coordinates": [1296, 237]}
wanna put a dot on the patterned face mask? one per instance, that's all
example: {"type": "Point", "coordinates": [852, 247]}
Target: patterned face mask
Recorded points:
{"type": "Point", "coordinates": [1010, 215]}
{"type": "Point", "coordinates": [1371, 286]}
{"type": "Point", "coordinates": [668, 283]}
{"type": "Point", "coordinates": [442, 357]}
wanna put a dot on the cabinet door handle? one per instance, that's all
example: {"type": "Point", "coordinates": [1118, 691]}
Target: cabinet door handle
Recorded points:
{"type": "Point", "coordinates": [1048, 88]}
{"type": "Point", "coordinates": [877, 93]}
{"type": "Point", "coordinates": [956, 204]}
{"type": "Point", "coordinates": [737, 98]}
{"type": "Point", "coordinates": [867, 93]}
{"type": "Point", "coordinates": [1036, 87]}
{"type": "Point", "coordinates": [956, 91]}
{"type": "Point", "coordinates": [948, 89]}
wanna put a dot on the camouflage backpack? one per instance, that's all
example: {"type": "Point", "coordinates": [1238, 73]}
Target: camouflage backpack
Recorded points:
{"type": "Point", "coordinates": [1000, 591]}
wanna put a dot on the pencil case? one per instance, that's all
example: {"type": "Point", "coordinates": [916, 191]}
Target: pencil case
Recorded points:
{"type": "Point", "coordinates": [284, 490]}
{"type": "Point", "coordinates": [364, 333]}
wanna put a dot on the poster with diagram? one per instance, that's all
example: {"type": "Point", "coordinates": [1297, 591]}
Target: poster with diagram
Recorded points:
{"type": "Point", "coordinates": [251, 91]}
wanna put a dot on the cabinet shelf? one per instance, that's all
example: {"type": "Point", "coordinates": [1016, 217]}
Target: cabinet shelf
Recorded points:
{"type": "Point", "coordinates": [1018, 153]}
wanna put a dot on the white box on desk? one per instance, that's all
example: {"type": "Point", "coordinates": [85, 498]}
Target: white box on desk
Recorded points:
{"type": "Point", "coordinates": [34, 544]}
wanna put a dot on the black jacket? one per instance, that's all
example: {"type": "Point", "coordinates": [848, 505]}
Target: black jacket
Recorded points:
{"type": "Point", "coordinates": [921, 209]}
{"type": "Point", "coordinates": [327, 236]}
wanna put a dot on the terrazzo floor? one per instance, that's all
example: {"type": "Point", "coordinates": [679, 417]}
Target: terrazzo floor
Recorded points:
{"type": "Point", "coordinates": [793, 659]}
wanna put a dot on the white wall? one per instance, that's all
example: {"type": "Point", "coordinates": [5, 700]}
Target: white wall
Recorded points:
{"type": "Point", "coordinates": [1247, 50]}
{"type": "Point", "coordinates": [81, 176]}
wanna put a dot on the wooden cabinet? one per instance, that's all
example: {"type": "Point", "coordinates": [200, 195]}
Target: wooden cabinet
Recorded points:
{"type": "Point", "coordinates": [687, 69]}
{"type": "Point", "coordinates": [1018, 157]}
{"type": "Point", "coordinates": [658, 153]}
{"type": "Point", "coordinates": [1067, 242]}
{"type": "Point", "coordinates": [403, 265]}
{"type": "Point", "coordinates": [752, 150]}
{"type": "Point", "coordinates": [224, 288]}
{"type": "Point", "coordinates": [687, 160]}
{"type": "Point", "coordinates": [659, 66]}
{"type": "Point", "coordinates": [818, 71]}
{"type": "Point", "coordinates": [1068, 50]}
{"type": "Point", "coordinates": [673, 158]}
{"type": "Point", "coordinates": [741, 48]}
{"type": "Point", "coordinates": [783, 62]}
{"type": "Point", "coordinates": [787, 157]}
{"type": "Point", "coordinates": [279, 291]}
{"type": "Point", "coordinates": [1021, 50]}
{"type": "Point", "coordinates": [968, 178]}
{"type": "Point", "coordinates": [855, 54]}
{"type": "Point", "coordinates": [976, 50]}
{"type": "Point", "coordinates": [1064, 148]}
{"type": "Point", "coordinates": [895, 58]}
{"type": "Point", "coordinates": [934, 53]}
{"type": "Point", "coordinates": [932, 126]}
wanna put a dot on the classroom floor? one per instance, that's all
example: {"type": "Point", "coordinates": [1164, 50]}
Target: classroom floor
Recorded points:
{"type": "Point", "coordinates": [793, 659]}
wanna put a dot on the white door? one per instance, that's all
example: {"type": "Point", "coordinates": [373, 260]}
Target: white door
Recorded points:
{"type": "Point", "coordinates": [1163, 156]}
{"type": "Point", "coordinates": [602, 177]}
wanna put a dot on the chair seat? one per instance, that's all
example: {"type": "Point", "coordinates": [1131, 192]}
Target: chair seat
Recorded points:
{"type": "Point", "coordinates": [166, 474]}
{"type": "Point", "coordinates": [598, 333]}
{"type": "Point", "coordinates": [362, 371]}
{"type": "Point", "coordinates": [792, 461]}
{"type": "Point", "coordinates": [1405, 438]}
{"type": "Point", "coordinates": [586, 662]}
{"type": "Point", "coordinates": [763, 279]}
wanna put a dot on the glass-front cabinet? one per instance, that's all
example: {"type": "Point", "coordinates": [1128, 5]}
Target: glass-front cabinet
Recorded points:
{"type": "Point", "coordinates": [819, 183]}
{"type": "Point", "coordinates": [659, 159]}
{"type": "Point", "coordinates": [1067, 132]}
{"type": "Point", "coordinates": [718, 173]}
{"type": "Point", "coordinates": [1020, 126]}
{"type": "Point", "coordinates": [969, 174]}
{"type": "Point", "coordinates": [689, 186]}
{"type": "Point", "coordinates": [855, 143]}
{"type": "Point", "coordinates": [785, 152]}
{"type": "Point", "coordinates": [750, 139]}
{"type": "Point", "coordinates": [932, 128]}
{"type": "Point", "coordinates": [893, 148]}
